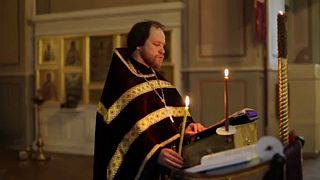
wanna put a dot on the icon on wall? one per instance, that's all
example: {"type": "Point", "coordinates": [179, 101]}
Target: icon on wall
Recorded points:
{"type": "Point", "coordinates": [73, 50]}
{"type": "Point", "coordinates": [49, 51]}
{"type": "Point", "coordinates": [73, 86]}
{"type": "Point", "coordinates": [48, 85]}
{"type": "Point", "coordinates": [100, 57]}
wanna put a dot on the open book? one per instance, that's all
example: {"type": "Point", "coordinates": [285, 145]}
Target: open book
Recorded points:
{"type": "Point", "coordinates": [264, 150]}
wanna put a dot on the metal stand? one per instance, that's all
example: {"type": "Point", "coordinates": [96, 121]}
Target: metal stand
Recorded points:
{"type": "Point", "coordinates": [39, 154]}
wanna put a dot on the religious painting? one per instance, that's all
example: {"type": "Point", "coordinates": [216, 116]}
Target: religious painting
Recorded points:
{"type": "Point", "coordinates": [48, 51]}
{"type": "Point", "coordinates": [73, 52]}
{"type": "Point", "coordinates": [48, 84]}
{"type": "Point", "coordinates": [73, 86]}
{"type": "Point", "coordinates": [101, 48]}
{"type": "Point", "coordinates": [167, 72]}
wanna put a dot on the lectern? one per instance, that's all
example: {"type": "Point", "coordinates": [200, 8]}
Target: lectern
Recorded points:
{"type": "Point", "coordinates": [207, 142]}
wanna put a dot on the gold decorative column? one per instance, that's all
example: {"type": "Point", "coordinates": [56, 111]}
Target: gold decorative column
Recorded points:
{"type": "Point", "coordinates": [283, 79]}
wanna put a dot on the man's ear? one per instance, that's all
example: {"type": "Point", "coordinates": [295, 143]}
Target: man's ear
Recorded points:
{"type": "Point", "coordinates": [138, 48]}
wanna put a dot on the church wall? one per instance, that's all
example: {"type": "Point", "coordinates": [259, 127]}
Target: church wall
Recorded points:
{"type": "Point", "coordinates": [299, 30]}
{"type": "Point", "coordinates": [220, 34]}
{"type": "Point", "coordinates": [11, 40]}
{"type": "Point", "coordinates": [304, 104]}
{"type": "Point", "coordinates": [16, 78]}
{"type": "Point", "coordinates": [245, 91]}
{"type": "Point", "coordinates": [16, 109]}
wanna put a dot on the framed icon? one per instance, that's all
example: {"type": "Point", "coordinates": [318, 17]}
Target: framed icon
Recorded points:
{"type": "Point", "coordinates": [73, 52]}
{"type": "Point", "coordinates": [48, 51]}
{"type": "Point", "coordinates": [101, 48]}
{"type": "Point", "coordinates": [48, 84]}
{"type": "Point", "coordinates": [73, 86]}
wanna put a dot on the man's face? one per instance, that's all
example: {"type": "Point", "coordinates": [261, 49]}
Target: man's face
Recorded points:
{"type": "Point", "coordinates": [152, 52]}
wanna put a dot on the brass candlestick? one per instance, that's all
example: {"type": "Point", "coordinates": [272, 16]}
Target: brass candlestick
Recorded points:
{"type": "Point", "coordinates": [283, 79]}
{"type": "Point", "coordinates": [39, 154]}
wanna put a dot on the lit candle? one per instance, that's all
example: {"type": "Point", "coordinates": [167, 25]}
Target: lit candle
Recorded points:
{"type": "Point", "coordinates": [227, 129]}
{"type": "Point", "coordinates": [183, 127]}
{"type": "Point", "coordinates": [226, 107]}
{"type": "Point", "coordinates": [282, 35]}
{"type": "Point", "coordinates": [283, 79]}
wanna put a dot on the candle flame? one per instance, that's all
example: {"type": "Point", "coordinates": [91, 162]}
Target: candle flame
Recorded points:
{"type": "Point", "coordinates": [226, 72]}
{"type": "Point", "coordinates": [187, 101]}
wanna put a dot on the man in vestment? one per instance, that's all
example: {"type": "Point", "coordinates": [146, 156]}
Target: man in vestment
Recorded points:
{"type": "Point", "coordinates": [140, 113]}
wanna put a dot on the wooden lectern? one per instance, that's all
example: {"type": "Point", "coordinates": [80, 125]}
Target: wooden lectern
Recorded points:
{"type": "Point", "coordinates": [207, 142]}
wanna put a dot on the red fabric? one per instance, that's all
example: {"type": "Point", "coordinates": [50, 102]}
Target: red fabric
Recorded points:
{"type": "Point", "coordinates": [260, 21]}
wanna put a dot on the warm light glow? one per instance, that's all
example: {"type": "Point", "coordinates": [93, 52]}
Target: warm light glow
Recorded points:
{"type": "Point", "coordinates": [187, 101]}
{"type": "Point", "coordinates": [280, 12]}
{"type": "Point", "coordinates": [226, 72]}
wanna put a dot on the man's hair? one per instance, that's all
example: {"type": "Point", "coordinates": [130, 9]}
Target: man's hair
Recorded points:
{"type": "Point", "coordinates": [139, 33]}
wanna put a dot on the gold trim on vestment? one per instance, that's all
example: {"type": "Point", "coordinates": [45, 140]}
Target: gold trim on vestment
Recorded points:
{"type": "Point", "coordinates": [154, 149]}
{"type": "Point", "coordinates": [134, 132]}
{"type": "Point", "coordinates": [131, 67]}
{"type": "Point", "coordinates": [128, 96]}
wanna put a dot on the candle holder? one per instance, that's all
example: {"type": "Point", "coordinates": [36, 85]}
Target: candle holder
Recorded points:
{"type": "Point", "coordinates": [39, 154]}
{"type": "Point", "coordinates": [223, 132]}
{"type": "Point", "coordinates": [283, 79]}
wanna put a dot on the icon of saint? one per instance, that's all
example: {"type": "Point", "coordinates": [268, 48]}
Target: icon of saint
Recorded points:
{"type": "Point", "coordinates": [48, 88]}
{"type": "Point", "coordinates": [73, 55]}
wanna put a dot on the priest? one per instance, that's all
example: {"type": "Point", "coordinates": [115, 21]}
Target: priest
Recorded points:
{"type": "Point", "coordinates": [140, 113]}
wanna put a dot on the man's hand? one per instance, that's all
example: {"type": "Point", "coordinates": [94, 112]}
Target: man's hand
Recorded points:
{"type": "Point", "coordinates": [170, 159]}
{"type": "Point", "coordinates": [194, 128]}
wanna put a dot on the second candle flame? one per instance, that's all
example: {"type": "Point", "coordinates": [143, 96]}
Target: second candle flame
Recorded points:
{"type": "Point", "coordinates": [187, 101]}
{"type": "Point", "coordinates": [226, 73]}
{"type": "Point", "coordinates": [280, 12]}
